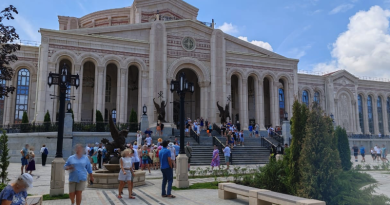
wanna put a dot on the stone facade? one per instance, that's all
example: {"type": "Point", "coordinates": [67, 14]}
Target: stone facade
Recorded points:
{"type": "Point", "coordinates": [126, 56]}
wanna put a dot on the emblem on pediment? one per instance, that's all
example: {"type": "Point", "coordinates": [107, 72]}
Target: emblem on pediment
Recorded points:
{"type": "Point", "coordinates": [343, 81]}
{"type": "Point", "coordinates": [188, 43]}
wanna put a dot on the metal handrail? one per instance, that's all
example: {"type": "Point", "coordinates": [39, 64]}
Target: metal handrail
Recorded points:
{"type": "Point", "coordinates": [278, 137]}
{"type": "Point", "coordinates": [217, 128]}
{"type": "Point", "coordinates": [267, 143]}
{"type": "Point", "coordinates": [194, 135]}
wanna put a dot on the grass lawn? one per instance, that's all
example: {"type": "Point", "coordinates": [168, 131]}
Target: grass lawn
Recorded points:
{"type": "Point", "coordinates": [205, 185]}
{"type": "Point", "coordinates": [47, 197]}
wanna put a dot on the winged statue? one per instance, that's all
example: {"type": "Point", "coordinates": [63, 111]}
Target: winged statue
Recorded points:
{"type": "Point", "coordinates": [223, 113]}
{"type": "Point", "coordinates": [160, 110]}
{"type": "Point", "coordinates": [118, 136]}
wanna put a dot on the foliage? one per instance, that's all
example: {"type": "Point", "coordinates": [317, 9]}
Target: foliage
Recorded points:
{"type": "Point", "coordinates": [9, 43]}
{"type": "Point", "coordinates": [359, 167]}
{"type": "Point", "coordinates": [205, 185]}
{"type": "Point", "coordinates": [298, 124]}
{"type": "Point", "coordinates": [99, 121]}
{"type": "Point", "coordinates": [47, 121]}
{"type": "Point", "coordinates": [4, 157]}
{"type": "Point", "coordinates": [319, 160]}
{"type": "Point", "coordinates": [368, 167]}
{"type": "Point", "coordinates": [133, 121]}
{"type": "Point", "coordinates": [2, 186]}
{"type": "Point", "coordinates": [376, 167]}
{"type": "Point", "coordinates": [24, 118]}
{"type": "Point", "coordinates": [47, 197]}
{"type": "Point", "coordinates": [25, 123]}
{"type": "Point", "coordinates": [343, 147]}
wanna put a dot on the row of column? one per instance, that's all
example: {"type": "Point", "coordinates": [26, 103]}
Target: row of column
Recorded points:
{"type": "Point", "coordinates": [375, 116]}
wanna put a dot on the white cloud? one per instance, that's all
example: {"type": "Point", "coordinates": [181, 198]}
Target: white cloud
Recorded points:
{"type": "Point", "coordinates": [262, 44]}
{"type": "Point", "coordinates": [341, 8]}
{"type": "Point", "coordinates": [298, 53]}
{"type": "Point", "coordinates": [228, 28]}
{"type": "Point", "coordinates": [364, 49]}
{"type": "Point", "coordinates": [24, 25]}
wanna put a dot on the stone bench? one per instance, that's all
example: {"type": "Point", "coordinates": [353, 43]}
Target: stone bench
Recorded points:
{"type": "Point", "coordinates": [34, 200]}
{"type": "Point", "coordinates": [262, 196]}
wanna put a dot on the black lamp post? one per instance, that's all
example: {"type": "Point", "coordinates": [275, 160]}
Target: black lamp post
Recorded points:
{"type": "Point", "coordinates": [182, 86]}
{"type": "Point", "coordinates": [285, 116]}
{"type": "Point", "coordinates": [64, 79]}
{"type": "Point", "coordinates": [144, 109]}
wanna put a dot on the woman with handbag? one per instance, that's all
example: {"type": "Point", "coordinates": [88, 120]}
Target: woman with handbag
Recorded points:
{"type": "Point", "coordinates": [31, 161]}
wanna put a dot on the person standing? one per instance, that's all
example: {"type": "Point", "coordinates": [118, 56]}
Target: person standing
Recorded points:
{"type": "Point", "coordinates": [201, 123]}
{"type": "Point", "coordinates": [250, 128]}
{"type": "Point", "coordinates": [24, 158]}
{"type": "Point", "coordinates": [173, 154]}
{"type": "Point", "coordinates": [158, 128]}
{"type": "Point", "coordinates": [145, 159]}
{"type": "Point", "coordinates": [126, 173]}
{"type": "Point", "coordinates": [16, 192]}
{"type": "Point", "coordinates": [135, 157]}
{"type": "Point", "coordinates": [188, 150]}
{"type": "Point", "coordinates": [257, 127]}
{"type": "Point", "coordinates": [139, 138]}
{"type": "Point", "coordinates": [363, 153]}
{"type": "Point", "coordinates": [355, 152]}
{"type": "Point", "coordinates": [216, 160]}
{"type": "Point", "coordinates": [94, 156]}
{"type": "Point", "coordinates": [78, 166]}
{"type": "Point", "coordinates": [155, 158]}
{"type": "Point", "coordinates": [31, 161]}
{"type": "Point", "coordinates": [226, 153]}
{"type": "Point", "coordinates": [166, 169]}
{"type": "Point", "coordinates": [44, 153]}
{"type": "Point", "coordinates": [384, 154]}
{"type": "Point", "coordinates": [377, 152]}
{"type": "Point", "coordinates": [238, 125]}
{"type": "Point", "coordinates": [148, 140]}
{"type": "Point", "coordinates": [373, 154]}
{"type": "Point", "coordinates": [148, 132]}
{"type": "Point", "coordinates": [242, 137]}
{"type": "Point", "coordinates": [177, 148]}
{"type": "Point", "coordinates": [100, 156]}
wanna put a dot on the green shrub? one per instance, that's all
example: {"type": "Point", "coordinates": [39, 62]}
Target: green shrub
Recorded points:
{"type": "Point", "coordinates": [343, 147]}
{"type": "Point", "coordinates": [359, 167]}
{"type": "Point", "coordinates": [376, 167]}
{"type": "Point", "coordinates": [385, 166]}
{"type": "Point", "coordinates": [133, 121]}
{"type": "Point", "coordinates": [25, 123]}
{"type": "Point", "coordinates": [99, 122]}
{"type": "Point", "coordinates": [4, 157]}
{"type": "Point", "coordinates": [2, 186]}
{"type": "Point", "coordinates": [368, 167]}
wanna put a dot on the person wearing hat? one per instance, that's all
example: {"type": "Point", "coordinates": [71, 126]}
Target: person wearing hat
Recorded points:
{"type": "Point", "coordinates": [173, 154]}
{"type": "Point", "coordinates": [16, 192]}
{"type": "Point", "coordinates": [156, 160]}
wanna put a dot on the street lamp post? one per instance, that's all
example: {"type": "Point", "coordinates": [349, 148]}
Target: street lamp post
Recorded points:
{"type": "Point", "coordinates": [182, 86]}
{"type": "Point", "coordinates": [64, 80]}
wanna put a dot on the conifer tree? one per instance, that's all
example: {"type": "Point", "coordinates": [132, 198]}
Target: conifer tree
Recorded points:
{"type": "Point", "coordinates": [47, 121]}
{"type": "Point", "coordinates": [319, 161]}
{"type": "Point", "coordinates": [99, 121]}
{"type": "Point", "coordinates": [133, 121]}
{"type": "Point", "coordinates": [4, 157]}
{"type": "Point", "coordinates": [343, 147]}
{"type": "Point", "coordinates": [24, 118]}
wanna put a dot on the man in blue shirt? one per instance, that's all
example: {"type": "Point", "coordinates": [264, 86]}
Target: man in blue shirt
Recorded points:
{"type": "Point", "coordinates": [148, 132]}
{"type": "Point", "coordinates": [250, 128]}
{"type": "Point", "coordinates": [362, 152]}
{"type": "Point", "coordinates": [177, 148]}
{"type": "Point", "coordinates": [226, 153]}
{"type": "Point", "coordinates": [24, 153]}
{"type": "Point", "coordinates": [166, 169]}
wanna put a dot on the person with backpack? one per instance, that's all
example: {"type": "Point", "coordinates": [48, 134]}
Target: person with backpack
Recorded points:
{"type": "Point", "coordinates": [44, 153]}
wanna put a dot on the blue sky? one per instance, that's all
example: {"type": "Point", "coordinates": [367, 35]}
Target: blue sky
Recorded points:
{"type": "Point", "coordinates": [318, 32]}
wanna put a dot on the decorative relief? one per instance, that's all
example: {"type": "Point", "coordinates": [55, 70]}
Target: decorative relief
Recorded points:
{"type": "Point", "coordinates": [188, 43]}
{"type": "Point", "coordinates": [235, 65]}
{"type": "Point", "coordinates": [146, 16]}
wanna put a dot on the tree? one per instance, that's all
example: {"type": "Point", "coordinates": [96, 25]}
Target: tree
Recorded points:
{"type": "Point", "coordinates": [343, 147]}
{"type": "Point", "coordinates": [8, 41]}
{"type": "Point", "coordinates": [24, 118]}
{"type": "Point", "coordinates": [133, 121]}
{"type": "Point", "coordinates": [298, 126]}
{"type": "Point", "coordinates": [99, 121]}
{"type": "Point", "coordinates": [47, 121]}
{"type": "Point", "coordinates": [319, 161]}
{"type": "Point", "coordinates": [4, 157]}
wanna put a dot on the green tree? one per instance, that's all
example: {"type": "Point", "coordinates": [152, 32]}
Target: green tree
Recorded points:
{"type": "Point", "coordinates": [99, 121]}
{"type": "Point", "coordinates": [24, 126]}
{"type": "Point", "coordinates": [4, 158]}
{"type": "Point", "coordinates": [298, 126]}
{"type": "Point", "coordinates": [133, 121]}
{"type": "Point", "coordinates": [47, 121]}
{"type": "Point", "coordinates": [343, 147]}
{"type": "Point", "coordinates": [319, 161]}
{"type": "Point", "coordinates": [24, 118]}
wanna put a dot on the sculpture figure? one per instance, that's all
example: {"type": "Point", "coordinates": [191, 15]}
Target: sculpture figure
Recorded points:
{"type": "Point", "coordinates": [160, 110]}
{"type": "Point", "coordinates": [119, 141]}
{"type": "Point", "coordinates": [223, 113]}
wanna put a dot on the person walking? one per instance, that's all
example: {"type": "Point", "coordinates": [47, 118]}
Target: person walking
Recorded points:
{"type": "Point", "coordinates": [216, 160]}
{"type": "Point", "coordinates": [257, 128]}
{"type": "Point", "coordinates": [384, 154]}
{"type": "Point", "coordinates": [166, 169]}
{"type": "Point", "coordinates": [188, 150]}
{"type": "Point", "coordinates": [363, 153]}
{"type": "Point", "coordinates": [78, 166]}
{"type": "Point", "coordinates": [226, 153]}
{"type": "Point", "coordinates": [377, 152]}
{"type": "Point", "coordinates": [31, 161]}
{"type": "Point", "coordinates": [355, 152]}
{"type": "Point", "coordinates": [126, 173]}
{"type": "Point", "coordinates": [100, 156]}
{"type": "Point", "coordinates": [373, 154]}
{"type": "Point", "coordinates": [173, 154]}
{"type": "Point", "coordinates": [24, 158]}
{"type": "Point", "coordinates": [94, 156]}
{"type": "Point", "coordinates": [44, 152]}
{"type": "Point", "coordinates": [16, 192]}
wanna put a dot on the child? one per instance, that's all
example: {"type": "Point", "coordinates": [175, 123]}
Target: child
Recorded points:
{"type": "Point", "coordinates": [126, 174]}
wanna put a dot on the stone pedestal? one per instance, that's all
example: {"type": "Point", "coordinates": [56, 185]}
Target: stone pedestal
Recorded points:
{"type": "Point", "coordinates": [109, 180]}
{"type": "Point", "coordinates": [57, 181]}
{"type": "Point", "coordinates": [144, 123]}
{"type": "Point", "coordinates": [68, 134]}
{"type": "Point", "coordinates": [182, 172]}
{"type": "Point", "coordinates": [286, 128]}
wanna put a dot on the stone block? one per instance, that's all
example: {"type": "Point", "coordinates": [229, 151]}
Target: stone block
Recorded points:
{"type": "Point", "coordinates": [222, 194]}
{"type": "Point", "coordinates": [57, 181]}
{"type": "Point", "coordinates": [311, 202]}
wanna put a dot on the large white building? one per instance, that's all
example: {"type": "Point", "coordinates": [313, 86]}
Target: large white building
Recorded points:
{"type": "Point", "coordinates": [126, 56]}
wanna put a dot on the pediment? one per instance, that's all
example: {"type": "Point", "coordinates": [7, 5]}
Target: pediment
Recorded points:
{"type": "Point", "coordinates": [344, 78]}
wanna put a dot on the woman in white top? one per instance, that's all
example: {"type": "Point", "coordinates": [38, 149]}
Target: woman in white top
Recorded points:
{"type": "Point", "coordinates": [126, 174]}
{"type": "Point", "coordinates": [139, 138]}
{"type": "Point", "coordinates": [173, 154]}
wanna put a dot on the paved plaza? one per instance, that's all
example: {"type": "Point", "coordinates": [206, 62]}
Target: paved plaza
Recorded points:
{"type": "Point", "coordinates": [149, 194]}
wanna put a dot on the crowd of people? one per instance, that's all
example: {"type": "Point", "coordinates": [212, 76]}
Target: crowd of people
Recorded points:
{"type": "Point", "coordinates": [377, 153]}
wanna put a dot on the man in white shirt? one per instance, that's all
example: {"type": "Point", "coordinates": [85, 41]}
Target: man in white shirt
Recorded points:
{"type": "Point", "coordinates": [148, 140]}
{"type": "Point", "coordinates": [226, 152]}
{"type": "Point", "coordinates": [87, 149]}
{"type": "Point", "coordinates": [378, 152]}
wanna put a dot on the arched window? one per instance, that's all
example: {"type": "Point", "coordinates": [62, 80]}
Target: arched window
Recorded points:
{"type": "Point", "coordinates": [361, 118]}
{"type": "Point", "coordinates": [108, 88]}
{"type": "Point", "coordinates": [113, 114]}
{"type": "Point", "coordinates": [22, 89]}
{"type": "Point", "coordinates": [388, 113]}
{"type": "Point", "coordinates": [317, 97]}
{"type": "Point", "coordinates": [281, 104]}
{"type": "Point", "coordinates": [370, 115]}
{"type": "Point", "coordinates": [380, 114]}
{"type": "Point", "coordinates": [305, 98]}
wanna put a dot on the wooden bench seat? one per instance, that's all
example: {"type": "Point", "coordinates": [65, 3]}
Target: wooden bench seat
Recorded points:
{"type": "Point", "coordinates": [262, 196]}
{"type": "Point", "coordinates": [34, 200]}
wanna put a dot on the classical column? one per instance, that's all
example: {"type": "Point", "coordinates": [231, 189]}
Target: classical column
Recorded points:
{"type": "Point", "coordinates": [365, 117]}
{"type": "Point", "coordinates": [204, 98]}
{"type": "Point", "coordinates": [375, 115]}
{"type": "Point", "coordinates": [261, 99]}
{"type": "Point", "coordinates": [100, 84]}
{"type": "Point", "coordinates": [257, 101]}
{"type": "Point", "coordinates": [241, 103]}
{"type": "Point", "coordinates": [8, 117]}
{"type": "Point", "coordinates": [77, 103]}
{"type": "Point", "coordinates": [121, 100]}
{"type": "Point", "coordinates": [245, 120]}
{"type": "Point", "coordinates": [385, 118]}
{"type": "Point", "coordinates": [273, 116]}
{"type": "Point", "coordinates": [42, 96]}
